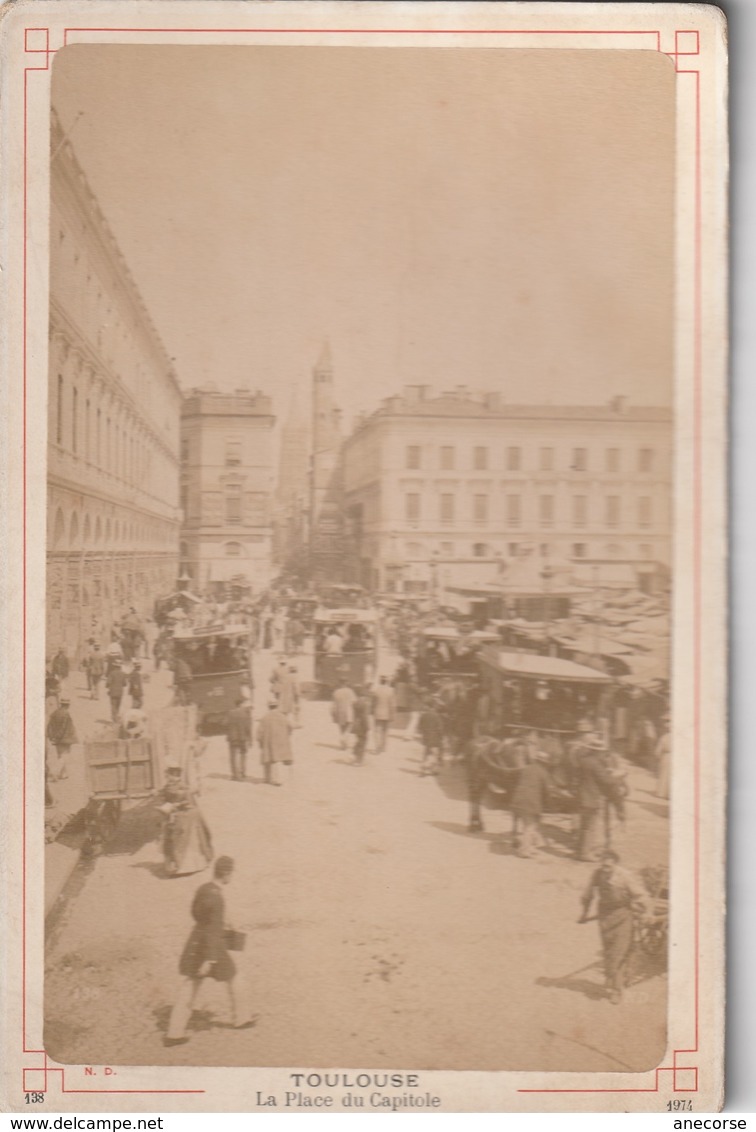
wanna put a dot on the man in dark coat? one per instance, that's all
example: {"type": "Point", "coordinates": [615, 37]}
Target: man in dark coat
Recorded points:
{"type": "Point", "coordinates": [528, 803]}
{"type": "Point", "coordinates": [274, 737]}
{"type": "Point", "coordinates": [62, 734]}
{"type": "Point", "coordinates": [60, 665]}
{"type": "Point", "coordinates": [182, 680]}
{"type": "Point", "coordinates": [239, 736]}
{"type": "Point", "coordinates": [620, 899]}
{"type": "Point", "coordinates": [136, 688]}
{"type": "Point", "coordinates": [95, 671]}
{"type": "Point", "coordinates": [384, 710]}
{"type": "Point", "coordinates": [361, 725]}
{"type": "Point", "coordinates": [116, 684]}
{"type": "Point", "coordinates": [431, 728]}
{"type": "Point", "coordinates": [205, 955]}
{"type": "Point", "coordinates": [593, 785]}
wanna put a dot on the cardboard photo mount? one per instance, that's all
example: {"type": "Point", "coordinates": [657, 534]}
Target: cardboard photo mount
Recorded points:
{"type": "Point", "coordinates": [689, 43]}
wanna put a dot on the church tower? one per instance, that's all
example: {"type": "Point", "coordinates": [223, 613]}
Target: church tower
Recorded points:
{"type": "Point", "coordinates": [293, 491]}
{"type": "Point", "coordinates": [326, 520]}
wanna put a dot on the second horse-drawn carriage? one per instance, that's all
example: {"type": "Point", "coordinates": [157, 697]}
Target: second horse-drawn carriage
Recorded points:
{"type": "Point", "coordinates": [212, 666]}
{"type": "Point", "coordinates": [446, 653]}
{"type": "Point", "coordinates": [346, 647]}
{"type": "Point", "coordinates": [531, 704]}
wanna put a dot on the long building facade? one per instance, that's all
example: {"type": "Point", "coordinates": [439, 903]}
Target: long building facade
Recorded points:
{"type": "Point", "coordinates": [446, 490]}
{"type": "Point", "coordinates": [226, 488]}
{"type": "Point", "coordinates": [113, 427]}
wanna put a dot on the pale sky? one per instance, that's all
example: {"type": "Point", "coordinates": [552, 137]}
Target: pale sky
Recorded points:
{"type": "Point", "coordinates": [501, 219]}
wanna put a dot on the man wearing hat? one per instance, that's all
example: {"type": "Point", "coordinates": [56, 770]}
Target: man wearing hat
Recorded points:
{"type": "Point", "coordinates": [360, 724]}
{"type": "Point", "coordinates": [662, 755]}
{"type": "Point", "coordinates": [528, 803]}
{"type": "Point", "coordinates": [61, 733]}
{"type": "Point", "coordinates": [576, 748]}
{"type": "Point", "coordinates": [116, 685]}
{"type": "Point", "coordinates": [384, 710]}
{"type": "Point", "coordinates": [274, 737]}
{"type": "Point", "coordinates": [285, 688]}
{"type": "Point", "coordinates": [60, 665]}
{"type": "Point", "coordinates": [95, 671]}
{"type": "Point", "coordinates": [205, 956]}
{"type": "Point", "coordinates": [431, 728]}
{"type": "Point", "coordinates": [620, 899]}
{"type": "Point", "coordinates": [136, 688]}
{"type": "Point", "coordinates": [239, 737]}
{"type": "Point", "coordinates": [593, 786]}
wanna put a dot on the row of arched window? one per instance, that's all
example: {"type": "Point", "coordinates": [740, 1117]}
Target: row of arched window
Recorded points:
{"type": "Point", "coordinates": [106, 532]}
{"type": "Point", "coordinates": [99, 436]}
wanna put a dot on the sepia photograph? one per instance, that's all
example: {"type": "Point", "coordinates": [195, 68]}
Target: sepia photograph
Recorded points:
{"type": "Point", "coordinates": [367, 485]}
{"type": "Point", "coordinates": [408, 574]}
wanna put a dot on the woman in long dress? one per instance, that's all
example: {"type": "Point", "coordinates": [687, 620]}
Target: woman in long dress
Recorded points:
{"type": "Point", "coordinates": [187, 844]}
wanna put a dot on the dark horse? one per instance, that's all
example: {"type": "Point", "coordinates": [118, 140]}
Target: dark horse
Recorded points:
{"type": "Point", "coordinates": [493, 765]}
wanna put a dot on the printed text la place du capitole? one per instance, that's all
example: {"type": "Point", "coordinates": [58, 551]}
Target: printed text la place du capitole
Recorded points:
{"type": "Point", "coordinates": [362, 1090]}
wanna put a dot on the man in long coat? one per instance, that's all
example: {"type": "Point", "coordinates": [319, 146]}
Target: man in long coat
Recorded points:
{"type": "Point", "coordinates": [60, 665]}
{"type": "Point", "coordinates": [205, 955]}
{"type": "Point", "coordinates": [116, 683]}
{"type": "Point", "coordinates": [384, 710]}
{"type": "Point", "coordinates": [284, 685]}
{"type": "Point", "coordinates": [529, 801]}
{"type": "Point", "coordinates": [274, 737]}
{"type": "Point", "coordinates": [62, 734]}
{"type": "Point", "coordinates": [342, 710]}
{"type": "Point", "coordinates": [95, 671]}
{"type": "Point", "coordinates": [239, 736]}
{"type": "Point", "coordinates": [593, 785]}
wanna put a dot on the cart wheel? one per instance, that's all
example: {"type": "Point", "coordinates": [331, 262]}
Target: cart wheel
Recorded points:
{"type": "Point", "coordinates": [92, 823]}
{"type": "Point", "coordinates": [652, 937]}
{"type": "Point", "coordinates": [110, 818]}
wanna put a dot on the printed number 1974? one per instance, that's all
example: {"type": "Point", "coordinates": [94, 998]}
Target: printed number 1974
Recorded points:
{"type": "Point", "coordinates": [679, 1106]}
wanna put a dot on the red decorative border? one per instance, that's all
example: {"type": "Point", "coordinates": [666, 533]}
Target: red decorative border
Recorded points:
{"type": "Point", "coordinates": [686, 44]}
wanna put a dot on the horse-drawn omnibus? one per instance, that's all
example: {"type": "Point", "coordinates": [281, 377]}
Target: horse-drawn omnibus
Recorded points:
{"type": "Point", "coordinates": [219, 661]}
{"type": "Point", "coordinates": [303, 609]}
{"type": "Point", "coordinates": [531, 703]}
{"type": "Point", "coordinates": [343, 595]}
{"type": "Point", "coordinates": [528, 692]}
{"type": "Point", "coordinates": [346, 647]}
{"type": "Point", "coordinates": [446, 652]}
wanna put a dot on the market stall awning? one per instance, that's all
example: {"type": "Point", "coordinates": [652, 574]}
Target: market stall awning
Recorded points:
{"type": "Point", "coordinates": [533, 666]}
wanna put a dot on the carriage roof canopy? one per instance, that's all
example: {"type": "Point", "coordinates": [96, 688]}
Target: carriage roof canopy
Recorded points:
{"type": "Point", "coordinates": [452, 633]}
{"type": "Point", "coordinates": [532, 666]}
{"type": "Point", "coordinates": [336, 616]}
{"type": "Point", "coordinates": [205, 632]}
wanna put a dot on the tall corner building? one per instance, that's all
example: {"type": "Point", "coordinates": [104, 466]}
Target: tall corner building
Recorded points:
{"type": "Point", "coordinates": [226, 487]}
{"type": "Point", "coordinates": [113, 426]}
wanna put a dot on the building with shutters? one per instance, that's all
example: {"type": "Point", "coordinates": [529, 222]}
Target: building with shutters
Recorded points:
{"type": "Point", "coordinates": [113, 427]}
{"type": "Point", "coordinates": [443, 490]}
{"type": "Point", "coordinates": [226, 487]}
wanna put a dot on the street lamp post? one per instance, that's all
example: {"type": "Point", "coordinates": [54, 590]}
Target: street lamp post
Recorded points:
{"type": "Point", "coordinates": [547, 573]}
{"type": "Point", "coordinates": [434, 576]}
{"type": "Point", "coordinates": [596, 612]}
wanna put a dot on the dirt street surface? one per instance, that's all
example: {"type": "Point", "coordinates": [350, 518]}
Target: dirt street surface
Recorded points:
{"type": "Point", "coordinates": [380, 932]}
